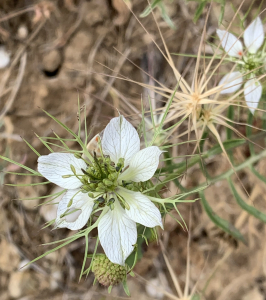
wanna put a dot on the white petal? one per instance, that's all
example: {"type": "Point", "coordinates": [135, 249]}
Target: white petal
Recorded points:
{"type": "Point", "coordinates": [254, 35]}
{"type": "Point", "coordinates": [232, 82]}
{"type": "Point", "coordinates": [230, 43]}
{"type": "Point", "coordinates": [117, 234]}
{"type": "Point", "coordinates": [75, 220]}
{"type": "Point", "coordinates": [93, 145]}
{"type": "Point", "coordinates": [55, 165]}
{"type": "Point", "coordinates": [143, 165]}
{"type": "Point", "coordinates": [253, 92]}
{"type": "Point", "coordinates": [4, 58]}
{"type": "Point", "coordinates": [120, 140]}
{"type": "Point", "coordinates": [142, 210]}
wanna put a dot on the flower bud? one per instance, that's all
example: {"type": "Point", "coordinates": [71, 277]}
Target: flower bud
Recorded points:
{"type": "Point", "coordinates": [106, 272]}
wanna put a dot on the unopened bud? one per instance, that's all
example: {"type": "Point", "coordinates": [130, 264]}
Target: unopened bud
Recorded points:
{"type": "Point", "coordinates": [106, 272]}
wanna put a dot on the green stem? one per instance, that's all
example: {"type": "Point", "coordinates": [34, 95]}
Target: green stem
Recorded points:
{"type": "Point", "coordinates": [177, 169]}
{"type": "Point", "coordinates": [245, 164]}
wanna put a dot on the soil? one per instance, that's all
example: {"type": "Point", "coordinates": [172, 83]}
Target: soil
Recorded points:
{"type": "Point", "coordinates": [62, 51]}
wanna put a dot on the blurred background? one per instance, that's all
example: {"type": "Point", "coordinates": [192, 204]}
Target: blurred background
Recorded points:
{"type": "Point", "coordinates": [51, 54]}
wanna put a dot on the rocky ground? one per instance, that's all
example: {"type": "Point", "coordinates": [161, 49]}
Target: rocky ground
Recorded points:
{"type": "Point", "coordinates": [62, 50]}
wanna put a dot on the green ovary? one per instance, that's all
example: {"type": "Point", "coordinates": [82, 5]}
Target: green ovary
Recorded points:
{"type": "Point", "coordinates": [102, 175]}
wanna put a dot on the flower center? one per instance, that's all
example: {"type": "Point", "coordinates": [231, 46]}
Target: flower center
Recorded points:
{"type": "Point", "coordinates": [253, 63]}
{"type": "Point", "coordinates": [101, 176]}
{"type": "Point", "coordinates": [100, 181]}
{"type": "Point", "coordinates": [195, 98]}
{"type": "Point", "coordinates": [206, 115]}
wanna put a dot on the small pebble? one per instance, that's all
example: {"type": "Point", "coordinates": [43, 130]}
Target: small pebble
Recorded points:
{"type": "Point", "coordinates": [22, 32]}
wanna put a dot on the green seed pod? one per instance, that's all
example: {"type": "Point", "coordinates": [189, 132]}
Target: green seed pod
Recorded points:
{"type": "Point", "coordinates": [106, 272]}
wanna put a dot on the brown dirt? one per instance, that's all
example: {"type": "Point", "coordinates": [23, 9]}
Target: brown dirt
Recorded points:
{"type": "Point", "coordinates": [73, 47]}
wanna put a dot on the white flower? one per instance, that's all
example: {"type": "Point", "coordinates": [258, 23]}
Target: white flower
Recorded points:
{"type": "Point", "coordinates": [4, 58]}
{"type": "Point", "coordinates": [253, 40]}
{"type": "Point", "coordinates": [117, 225]}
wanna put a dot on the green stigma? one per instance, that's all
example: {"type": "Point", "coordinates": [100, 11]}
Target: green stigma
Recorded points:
{"type": "Point", "coordinates": [101, 176]}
